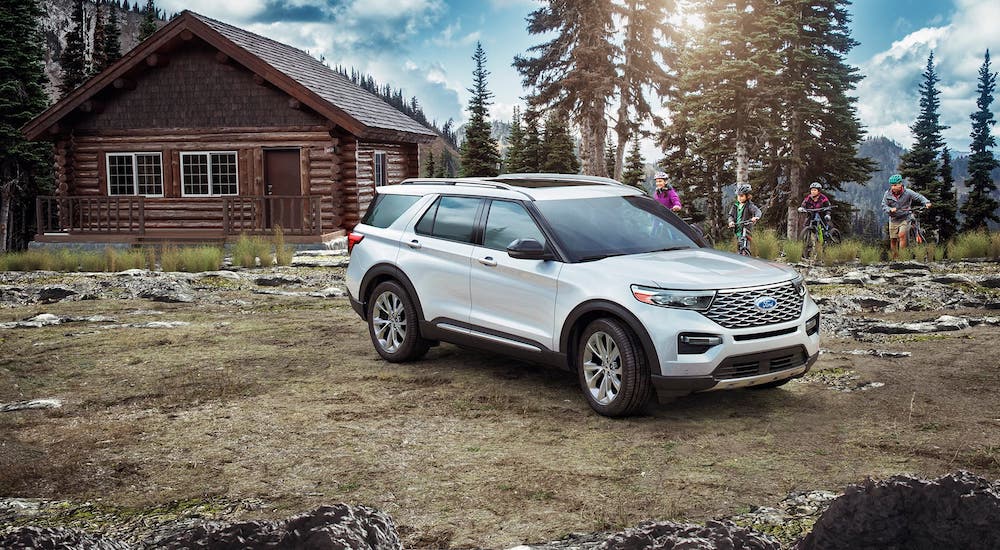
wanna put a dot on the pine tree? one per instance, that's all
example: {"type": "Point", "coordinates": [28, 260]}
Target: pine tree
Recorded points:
{"type": "Point", "coordinates": [647, 54]}
{"type": "Point", "coordinates": [557, 147]}
{"type": "Point", "coordinates": [99, 48]}
{"type": "Point", "coordinates": [574, 72]}
{"type": "Point", "coordinates": [480, 153]}
{"type": "Point", "coordinates": [610, 156]}
{"type": "Point", "coordinates": [429, 167]}
{"type": "Point", "coordinates": [980, 207]}
{"type": "Point", "coordinates": [148, 25]}
{"type": "Point", "coordinates": [515, 145]}
{"type": "Point", "coordinates": [634, 173]}
{"type": "Point", "coordinates": [73, 59]}
{"type": "Point", "coordinates": [446, 168]}
{"type": "Point", "coordinates": [819, 121]}
{"type": "Point", "coordinates": [920, 164]}
{"type": "Point", "coordinates": [25, 167]}
{"type": "Point", "coordinates": [947, 202]}
{"type": "Point", "coordinates": [531, 158]}
{"type": "Point", "coordinates": [112, 37]}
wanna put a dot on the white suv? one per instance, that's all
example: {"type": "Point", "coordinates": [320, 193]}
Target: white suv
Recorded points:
{"type": "Point", "coordinates": [579, 272]}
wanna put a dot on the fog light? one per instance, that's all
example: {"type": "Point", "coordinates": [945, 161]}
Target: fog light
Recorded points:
{"type": "Point", "coordinates": [812, 325]}
{"type": "Point", "coordinates": [692, 343]}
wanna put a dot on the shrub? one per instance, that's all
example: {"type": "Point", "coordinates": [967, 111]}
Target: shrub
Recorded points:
{"type": "Point", "coordinates": [974, 244]}
{"type": "Point", "coordinates": [30, 260]}
{"type": "Point", "coordinates": [904, 254]}
{"type": "Point", "coordinates": [133, 258]}
{"type": "Point", "coordinates": [200, 258]}
{"type": "Point", "coordinates": [869, 254]}
{"type": "Point", "coordinates": [66, 259]}
{"type": "Point", "coordinates": [726, 245]}
{"type": "Point", "coordinates": [767, 244]}
{"type": "Point", "coordinates": [842, 253]}
{"type": "Point", "coordinates": [247, 250]}
{"type": "Point", "coordinates": [995, 245]}
{"type": "Point", "coordinates": [793, 251]}
{"type": "Point", "coordinates": [282, 253]}
{"type": "Point", "coordinates": [170, 259]}
{"type": "Point", "coordinates": [91, 261]}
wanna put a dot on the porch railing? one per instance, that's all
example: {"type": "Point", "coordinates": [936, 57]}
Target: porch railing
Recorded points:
{"type": "Point", "coordinates": [297, 215]}
{"type": "Point", "coordinates": [105, 215]}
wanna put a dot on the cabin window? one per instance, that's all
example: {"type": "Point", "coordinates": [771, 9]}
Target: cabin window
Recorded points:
{"type": "Point", "coordinates": [380, 169]}
{"type": "Point", "coordinates": [209, 173]}
{"type": "Point", "coordinates": [135, 174]}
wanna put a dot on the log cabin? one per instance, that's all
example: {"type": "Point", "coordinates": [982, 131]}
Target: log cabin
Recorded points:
{"type": "Point", "coordinates": [206, 131]}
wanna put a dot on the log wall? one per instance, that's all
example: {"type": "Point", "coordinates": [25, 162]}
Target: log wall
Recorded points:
{"type": "Point", "coordinates": [402, 162]}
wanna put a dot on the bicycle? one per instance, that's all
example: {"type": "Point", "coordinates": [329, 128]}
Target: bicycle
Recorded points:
{"type": "Point", "coordinates": [743, 238]}
{"type": "Point", "coordinates": [816, 232]}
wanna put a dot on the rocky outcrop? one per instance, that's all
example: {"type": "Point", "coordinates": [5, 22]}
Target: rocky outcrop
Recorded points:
{"type": "Point", "coordinates": [36, 538]}
{"type": "Point", "coordinates": [959, 510]}
{"type": "Point", "coordinates": [721, 535]}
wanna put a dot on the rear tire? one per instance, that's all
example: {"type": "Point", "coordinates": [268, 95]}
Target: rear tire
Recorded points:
{"type": "Point", "coordinates": [392, 324]}
{"type": "Point", "coordinates": [834, 236]}
{"type": "Point", "coordinates": [809, 239]}
{"type": "Point", "coordinates": [613, 371]}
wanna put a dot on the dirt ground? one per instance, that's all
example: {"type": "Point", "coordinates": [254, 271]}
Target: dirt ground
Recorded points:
{"type": "Point", "coordinates": [282, 401]}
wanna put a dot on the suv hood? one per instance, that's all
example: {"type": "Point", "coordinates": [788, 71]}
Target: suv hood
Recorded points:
{"type": "Point", "coordinates": [695, 269]}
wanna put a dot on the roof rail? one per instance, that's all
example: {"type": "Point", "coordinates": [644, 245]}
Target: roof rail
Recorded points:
{"type": "Point", "coordinates": [555, 177]}
{"type": "Point", "coordinates": [456, 181]}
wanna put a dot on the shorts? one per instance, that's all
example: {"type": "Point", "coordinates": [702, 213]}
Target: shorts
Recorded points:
{"type": "Point", "coordinates": [895, 226]}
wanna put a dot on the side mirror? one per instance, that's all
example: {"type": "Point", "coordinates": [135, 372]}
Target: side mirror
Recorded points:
{"type": "Point", "coordinates": [528, 249]}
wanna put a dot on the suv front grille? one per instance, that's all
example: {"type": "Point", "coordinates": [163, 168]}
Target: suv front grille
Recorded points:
{"type": "Point", "coordinates": [738, 308]}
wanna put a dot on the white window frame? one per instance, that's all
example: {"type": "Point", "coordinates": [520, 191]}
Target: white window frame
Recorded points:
{"type": "Point", "coordinates": [135, 172]}
{"type": "Point", "coordinates": [377, 167]}
{"type": "Point", "coordinates": [211, 184]}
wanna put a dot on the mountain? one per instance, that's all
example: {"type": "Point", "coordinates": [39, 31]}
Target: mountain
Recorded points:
{"type": "Point", "coordinates": [867, 197]}
{"type": "Point", "coordinates": [57, 21]}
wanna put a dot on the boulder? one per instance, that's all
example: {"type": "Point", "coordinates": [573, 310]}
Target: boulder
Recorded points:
{"type": "Point", "coordinates": [50, 294]}
{"type": "Point", "coordinates": [960, 510]}
{"type": "Point", "coordinates": [909, 265]}
{"type": "Point", "coordinates": [990, 282]}
{"type": "Point", "coordinates": [278, 280]}
{"type": "Point", "coordinates": [668, 536]}
{"type": "Point", "coordinates": [943, 323]}
{"type": "Point", "coordinates": [38, 538]}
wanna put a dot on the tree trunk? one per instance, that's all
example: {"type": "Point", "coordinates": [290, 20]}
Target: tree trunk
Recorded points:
{"type": "Point", "coordinates": [593, 136]}
{"type": "Point", "coordinates": [621, 129]}
{"type": "Point", "coordinates": [794, 179]}
{"type": "Point", "coordinates": [6, 194]}
{"type": "Point", "coordinates": [742, 158]}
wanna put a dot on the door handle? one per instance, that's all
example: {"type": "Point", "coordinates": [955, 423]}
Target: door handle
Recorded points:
{"type": "Point", "coordinates": [414, 244]}
{"type": "Point", "coordinates": [488, 261]}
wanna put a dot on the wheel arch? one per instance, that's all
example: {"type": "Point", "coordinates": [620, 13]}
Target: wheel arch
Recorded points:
{"type": "Point", "coordinates": [583, 314]}
{"type": "Point", "coordinates": [386, 272]}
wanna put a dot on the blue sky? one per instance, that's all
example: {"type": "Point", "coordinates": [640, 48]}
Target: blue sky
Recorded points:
{"type": "Point", "coordinates": [425, 47]}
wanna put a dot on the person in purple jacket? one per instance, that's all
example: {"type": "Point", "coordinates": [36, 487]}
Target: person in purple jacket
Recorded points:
{"type": "Point", "coordinates": [664, 192]}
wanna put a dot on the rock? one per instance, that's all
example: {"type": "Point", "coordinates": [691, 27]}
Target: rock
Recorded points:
{"type": "Point", "coordinates": [952, 278]}
{"type": "Point", "coordinates": [329, 292]}
{"type": "Point", "coordinates": [167, 296]}
{"type": "Point", "coordinates": [50, 294]}
{"type": "Point", "coordinates": [990, 282]}
{"type": "Point", "coordinates": [135, 273]}
{"type": "Point", "coordinates": [668, 535]}
{"type": "Point", "coordinates": [51, 539]}
{"type": "Point", "coordinates": [223, 274]}
{"type": "Point", "coordinates": [959, 510]}
{"type": "Point", "coordinates": [278, 280]}
{"type": "Point", "coordinates": [33, 404]}
{"type": "Point", "coordinates": [941, 324]}
{"type": "Point", "coordinates": [875, 353]}
{"type": "Point", "coordinates": [330, 527]}
{"type": "Point", "coordinates": [856, 278]}
{"type": "Point", "coordinates": [909, 265]}
{"type": "Point", "coordinates": [159, 324]}
{"type": "Point", "coordinates": [872, 302]}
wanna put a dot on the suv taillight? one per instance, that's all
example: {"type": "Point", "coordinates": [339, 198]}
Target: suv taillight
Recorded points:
{"type": "Point", "coordinates": [353, 239]}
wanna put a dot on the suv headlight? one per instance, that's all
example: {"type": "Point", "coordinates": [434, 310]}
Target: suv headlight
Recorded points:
{"type": "Point", "coordinates": [800, 285]}
{"type": "Point", "coordinates": [698, 300]}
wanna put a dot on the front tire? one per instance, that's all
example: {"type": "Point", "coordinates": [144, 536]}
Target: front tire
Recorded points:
{"type": "Point", "coordinates": [809, 239]}
{"type": "Point", "coordinates": [614, 374]}
{"type": "Point", "coordinates": [392, 324]}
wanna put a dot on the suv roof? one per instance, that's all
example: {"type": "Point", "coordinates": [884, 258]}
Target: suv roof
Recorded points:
{"type": "Point", "coordinates": [531, 186]}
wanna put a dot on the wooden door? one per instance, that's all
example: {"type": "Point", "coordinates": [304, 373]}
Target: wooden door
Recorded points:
{"type": "Point", "coordinates": [283, 187]}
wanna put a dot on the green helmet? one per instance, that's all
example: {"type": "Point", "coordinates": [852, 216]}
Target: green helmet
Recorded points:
{"type": "Point", "coordinates": [895, 178]}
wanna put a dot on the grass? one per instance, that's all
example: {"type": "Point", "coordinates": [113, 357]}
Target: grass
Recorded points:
{"type": "Point", "coordinates": [282, 253]}
{"type": "Point", "coordinates": [842, 253]}
{"type": "Point", "coordinates": [793, 251]}
{"type": "Point", "coordinates": [191, 259]}
{"type": "Point", "coordinates": [248, 250]}
{"type": "Point", "coordinates": [975, 244]}
{"type": "Point", "coordinates": [869, 255]}
{"type": "Point", "coordinates": [767, 244]}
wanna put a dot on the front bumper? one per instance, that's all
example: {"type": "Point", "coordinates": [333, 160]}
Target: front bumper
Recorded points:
{"type": "Point", "coordinates": [741, 371]}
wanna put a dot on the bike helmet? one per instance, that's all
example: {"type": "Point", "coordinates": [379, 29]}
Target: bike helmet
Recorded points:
{"type": "Point", "coordinates": [743, 189]}
{"type": "Point", "coordinates": [815, 185]}
{"type": "Point", "coordinates": [895, 178]}
{"type": "Point", "coordinates": [660, 176]}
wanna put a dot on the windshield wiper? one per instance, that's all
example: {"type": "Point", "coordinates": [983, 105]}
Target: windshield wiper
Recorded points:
{"type": "Point", "coordinates": [601, 256]}
{"type": "Point", "coordinates": [669, 248]}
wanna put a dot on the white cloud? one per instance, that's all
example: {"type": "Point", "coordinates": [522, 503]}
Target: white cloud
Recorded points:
{"type": "Point", "coordinates": [228, 10]}
{"type": "Point", "coordinates": [889, 100]}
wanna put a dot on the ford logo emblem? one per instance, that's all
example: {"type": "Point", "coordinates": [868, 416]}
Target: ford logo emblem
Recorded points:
{"type": "Point", "coordinates": [765, 303]}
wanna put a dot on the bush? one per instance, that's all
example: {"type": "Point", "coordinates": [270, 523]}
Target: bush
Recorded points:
{"type": "Point", "coordinates": [767, 244]}
{"type": "Point", "coordinates": [91, 261]}
{"type": "Point", "coordinates": [282, 253]}
{"type": "Point", "coordinates": [842, 253]}
{"type": "Point", "coordinates": [30, 260]}
{"type": "Point", "coordinates": [200, 258]}
{"type": "Point", "coordinates": [170, 259]}
{"type": "Point", "coordinates": [133, 258]}
{"type": "Point", "coordinates": [974, 244]}
{"type": "Point", "coordinates": [66, 260]}
{"type": "Point", "coordinates": [995, 245]}
{"type": "Point", "coordinates": [869, 254]}
{"type": "Point", "coordinates": [793, 251]}
{"type": "Point", "coordinates": [247, 250]}
{"type": "Point", "coordinates": [726, 245]}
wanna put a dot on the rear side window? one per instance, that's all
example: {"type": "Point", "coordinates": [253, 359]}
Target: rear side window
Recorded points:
{"type": "Point", "coordinates": [387, 209]}
{"type": "Point", "coordinates": [452, 218]}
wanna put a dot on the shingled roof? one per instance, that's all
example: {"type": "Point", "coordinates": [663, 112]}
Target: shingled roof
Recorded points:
{"type": "Point", "coordinates": [324, 90]}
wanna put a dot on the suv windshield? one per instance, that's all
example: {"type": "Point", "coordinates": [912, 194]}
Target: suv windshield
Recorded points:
{"type": "Point", "coordinates": [595, 228]}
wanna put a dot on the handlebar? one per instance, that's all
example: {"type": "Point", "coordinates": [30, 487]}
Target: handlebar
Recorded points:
{"type": "Point", "coordinates": [801, 209]}
{"type": "Point", "coordinates": [747, 222]}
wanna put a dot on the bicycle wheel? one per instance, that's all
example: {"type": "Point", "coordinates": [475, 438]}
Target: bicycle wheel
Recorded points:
{"type": "Point", "coordinates": [809, 240]}
{"type": "Point", "coordinates": [834, 236]}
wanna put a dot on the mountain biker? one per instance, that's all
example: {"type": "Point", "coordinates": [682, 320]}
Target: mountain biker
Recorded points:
{"type": "Point", "coordinates": [816, 200]}
{"type": "Point", "coordinates": [897, 202]}
{"type": "Point", "coordinates": [743, 207]}
{"type": "Point", "coordinates": [664, 192]}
